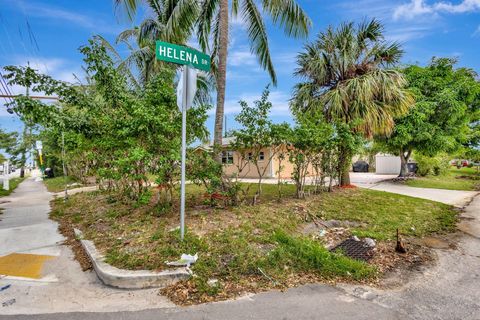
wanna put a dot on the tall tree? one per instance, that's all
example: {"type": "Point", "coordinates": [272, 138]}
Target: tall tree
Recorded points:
{"type": "Point", "coordinates": [444, 115]}
{"type": "Point", "coordinates": [170, 21]}
{"type": "Point", "coordinates": [348, 75]}
{"type": "Point", "coordinates": [213, 26]}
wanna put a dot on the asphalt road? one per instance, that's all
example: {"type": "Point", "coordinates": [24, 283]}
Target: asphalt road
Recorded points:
{"type": "Point", "coordinates": [306, 302]}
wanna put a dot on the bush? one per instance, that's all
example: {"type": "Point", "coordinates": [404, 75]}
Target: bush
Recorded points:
{"type": "Point", "coordinates": [437, 165]}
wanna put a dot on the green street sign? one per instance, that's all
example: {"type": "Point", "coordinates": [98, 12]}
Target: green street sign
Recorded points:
{"type": "Point", "coordinates": [182, 55]}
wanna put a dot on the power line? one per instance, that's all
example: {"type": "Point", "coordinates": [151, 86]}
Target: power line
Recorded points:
{"type": "Point", "coordinates": [33, 40]}
{"type": "Point", "coordinates": [5, 87]}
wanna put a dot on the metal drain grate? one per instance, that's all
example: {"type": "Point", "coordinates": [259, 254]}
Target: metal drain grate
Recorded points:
{"type": "Point", "coordinates": [355, 249]}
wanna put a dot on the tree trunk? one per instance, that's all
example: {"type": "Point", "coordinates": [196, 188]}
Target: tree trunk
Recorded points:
{"type": "Point", "coordinates": [24, 151]}
{"type": "Point", "coordinates": [345, 176]}
{"type": "Point", "coordinates": [403, 162]}
{"type": "Point", "coordinates": [345, 161]}
{"type": "Point", "coordinates": [221, 77]}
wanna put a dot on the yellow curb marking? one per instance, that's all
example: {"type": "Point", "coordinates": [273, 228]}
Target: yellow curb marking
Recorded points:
{"type": "Point", "coordinates": [23, 265]}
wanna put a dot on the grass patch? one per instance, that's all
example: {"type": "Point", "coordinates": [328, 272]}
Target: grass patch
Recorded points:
{"type": "Point", "coordinates": [455, 179]}
{"type": "Point", "coordinates": [13, 185]}
{"type": "Point", "coordinates": [382, 213]}
{"type": "Point", "coordinates": [248, 247]}
{"type": "Point", "coordinates": [57, 184]}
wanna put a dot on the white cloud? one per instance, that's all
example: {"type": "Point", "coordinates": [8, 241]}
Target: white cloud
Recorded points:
{"type": "Point", "coordinates": [396, 29]}
{"type": "Point", "coordinates": [279, 100]}
{"type": "Point", "coordinates": [43, 10]}
{"type": "Point", "coordinates": [416, 8]}
{"type": "Point", "coordinates": [241, 57]}
{"type": "Point", "coordinates": [412, 9]}
{"type": "Point", "coordinates": [237, 21]}
{"type": "Point", "coordinates": [403, 34]}
{"type": "Point", "coordinates": [57, 68]}
{"type": "Point", "coordinates": [464, 6]}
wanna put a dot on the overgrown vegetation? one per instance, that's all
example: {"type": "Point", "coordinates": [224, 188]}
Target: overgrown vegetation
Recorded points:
{"type": "Point", "coordinates": [57, 184]}
{"type": "Point", "coordinates": [113, 132]}
{"type": "Point", "coordinates": [249, 248]}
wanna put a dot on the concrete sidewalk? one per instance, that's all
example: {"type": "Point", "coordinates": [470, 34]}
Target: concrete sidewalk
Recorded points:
{"type": "Point", "coordinates": [62, 286]}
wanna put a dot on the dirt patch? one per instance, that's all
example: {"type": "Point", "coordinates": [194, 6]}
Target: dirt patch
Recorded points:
{"type": "Point", "coordinates": [437, 243]}
{"type": "Point", "coordinates": [398, 269]}
{"type": "Point", "coordinates": [80, 255]}
{"type": "Point", "coordinates": [468, 177]}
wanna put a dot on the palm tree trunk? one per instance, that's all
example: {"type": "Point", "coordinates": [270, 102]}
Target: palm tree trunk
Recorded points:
{"type": "Point", "coordinates": [221, 76]}
{"type": "Point", "coordinates": [345, 161]}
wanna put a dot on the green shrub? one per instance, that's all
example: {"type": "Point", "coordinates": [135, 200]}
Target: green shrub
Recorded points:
{"type": "Point", "coordinates": [437, 165]}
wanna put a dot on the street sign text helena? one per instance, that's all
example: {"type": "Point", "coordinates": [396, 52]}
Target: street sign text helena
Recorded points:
{"type": "Point", "coordinates": [184, 56]}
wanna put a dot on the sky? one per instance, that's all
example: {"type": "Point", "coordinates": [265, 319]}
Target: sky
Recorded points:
{"type": "Point", "coordinates": [48, 33]}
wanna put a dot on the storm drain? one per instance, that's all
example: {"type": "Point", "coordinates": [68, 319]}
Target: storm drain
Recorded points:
{"type": "Point", "coordinates": [355, 249]}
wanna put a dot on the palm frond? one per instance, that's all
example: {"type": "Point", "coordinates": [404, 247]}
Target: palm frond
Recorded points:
{"type": "Point", "coordinates": [107, 45]}
{"type": "Point", "coordinates": [150, 30]}
{"type": "Point", "coordinates": [289, 15]}
{"type": "Point", "coordinates": [127, 6]}
{"type": "Point", "coordinates": [181, 20]}
{"type": "Point", "coordinates": [346, 76]}
{"type": "Point", "coordinates": [206, 18]}
{"type": "Point", "coordinates": [126, 35]}
{"type": "Point", "coordinates": [257, 35]}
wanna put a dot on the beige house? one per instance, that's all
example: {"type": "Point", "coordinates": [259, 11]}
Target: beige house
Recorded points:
{"type": "Point", "coordinates": [236, 163]}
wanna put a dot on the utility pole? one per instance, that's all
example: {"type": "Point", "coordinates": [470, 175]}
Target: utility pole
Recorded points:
{"type": "Point", "coordinates": [225, 127]}
{"type": "Point", "coordinates": [64, 168]}
{"type": "Point", "coordinates": [24, 140]}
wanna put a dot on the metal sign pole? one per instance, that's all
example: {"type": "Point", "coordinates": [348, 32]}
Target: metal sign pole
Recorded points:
{"type": "Point", "coordinates": [184, 151]}
{"type": "Point", "coordinates": [190, 58]}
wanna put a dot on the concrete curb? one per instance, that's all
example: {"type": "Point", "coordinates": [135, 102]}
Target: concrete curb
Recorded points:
{"type": "Point", "coordinates": [128, 279]}
{"type": "Point", "coordinates": [75, 191]}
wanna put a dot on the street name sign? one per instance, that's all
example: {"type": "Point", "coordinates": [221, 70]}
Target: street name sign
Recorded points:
{"type": "Point", "coordinates": [182, 55]}
{"type": "Point", "coordinates": [186, 89]}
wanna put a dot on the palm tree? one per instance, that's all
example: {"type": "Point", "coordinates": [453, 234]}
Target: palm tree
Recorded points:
{"type": "Point", "coordinates": [348, 76]}
{"type": "Point", "coordinates": [213, 26]}
{"type": "Point", "coordinates": [171, 21]}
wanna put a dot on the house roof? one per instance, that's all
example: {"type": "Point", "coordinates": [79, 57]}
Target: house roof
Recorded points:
{"type": "Point", "coordinates": [226, 141]}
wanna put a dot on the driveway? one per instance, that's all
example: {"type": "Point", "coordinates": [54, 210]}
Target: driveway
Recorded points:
{"type": "Point", "coordinates": [453, 197]}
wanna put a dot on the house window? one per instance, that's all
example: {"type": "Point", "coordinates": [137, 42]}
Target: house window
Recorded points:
{"type": "Point", "coordinates": [250, 156]}
{"type": "Point", "coordinates": [227, 157]}
{"type": "Point", "coordinates": [261, 156]}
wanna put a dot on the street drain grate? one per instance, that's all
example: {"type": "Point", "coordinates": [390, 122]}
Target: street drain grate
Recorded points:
{"type": "Point", "coordinates": [355, 249]}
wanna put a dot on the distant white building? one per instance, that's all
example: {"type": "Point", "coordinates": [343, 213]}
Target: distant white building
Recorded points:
{"type": "Point", "coordinates": [387, 164]}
